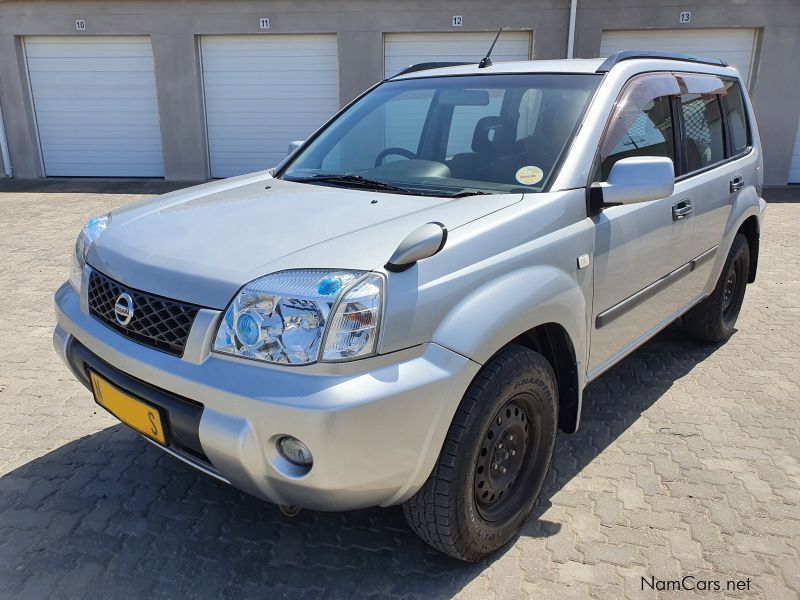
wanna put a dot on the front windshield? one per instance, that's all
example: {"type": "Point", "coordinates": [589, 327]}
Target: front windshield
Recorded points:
{"type": "Point", "coordinates": [450, 135]}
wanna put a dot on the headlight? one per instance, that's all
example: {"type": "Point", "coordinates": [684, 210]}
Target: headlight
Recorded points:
{"type": "Point", "coordinates": [94, 227]}
{"type": "Point", "coordinates": [300, 317]}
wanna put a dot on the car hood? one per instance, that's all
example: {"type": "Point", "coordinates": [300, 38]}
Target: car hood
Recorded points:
{"type": "Point", "coordinates": [202, 244]}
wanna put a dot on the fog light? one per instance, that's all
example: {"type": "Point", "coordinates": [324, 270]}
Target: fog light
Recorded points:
{"type": "Point", "coordinates": [295, 451]}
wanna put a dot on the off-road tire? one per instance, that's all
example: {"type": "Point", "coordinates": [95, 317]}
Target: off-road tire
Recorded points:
{"type": "Point", "coordinates": [714, 319]}
{"type": "Point", "coordinates": [447, 512]}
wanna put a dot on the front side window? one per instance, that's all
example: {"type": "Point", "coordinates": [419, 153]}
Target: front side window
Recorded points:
{"type": "Point", "coordinates": [450, 135]}
{"type": "Point", "coordinates": [641, 123]}
{"type": "Point", "coordinates": [703, 135]}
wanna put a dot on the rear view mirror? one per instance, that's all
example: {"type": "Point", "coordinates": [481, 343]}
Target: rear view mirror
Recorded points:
{"type": "Point", "coordinates": [293, 146]}
{"type": "Point", "coordinates": [450, 97]}
{"type": "Point", "coordinates": [638, 179]}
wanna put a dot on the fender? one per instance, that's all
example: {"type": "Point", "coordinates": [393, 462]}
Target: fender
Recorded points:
{"type": "Point", "coordinates": [511, 305]}
{"type": "Point", "coordinates": [505, 308]}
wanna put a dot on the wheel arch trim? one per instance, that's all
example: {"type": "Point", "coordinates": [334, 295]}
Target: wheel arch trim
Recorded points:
{"type": "Point", "coordinates": [517, 308]}
{"type": "Point", "coordinates": [743, 212]}
{"type": "Point", "coordinates": [750, 227]}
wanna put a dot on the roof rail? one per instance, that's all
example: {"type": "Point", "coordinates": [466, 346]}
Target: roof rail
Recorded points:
{"type": "Point", "coordinates": [429, 65]}
{"type": "Point", "coordinates": [618, 57]}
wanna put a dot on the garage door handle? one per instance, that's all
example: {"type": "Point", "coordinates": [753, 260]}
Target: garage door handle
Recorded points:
{"type": "Point", "coordinates": [737, 183]}
{"type": "Point", "coordinates": [681, 210]}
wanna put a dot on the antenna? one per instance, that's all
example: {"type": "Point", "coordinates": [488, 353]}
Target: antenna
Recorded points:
{"type": "Point", "coordinates": [487, 61]}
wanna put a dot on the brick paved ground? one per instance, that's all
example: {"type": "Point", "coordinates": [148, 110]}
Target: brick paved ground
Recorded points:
{"type": "Point", "coordinates": [688, 462]}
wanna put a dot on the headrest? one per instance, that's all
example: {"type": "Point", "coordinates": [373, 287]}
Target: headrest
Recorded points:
{"type": "Point", "coordinates": [488, 131]}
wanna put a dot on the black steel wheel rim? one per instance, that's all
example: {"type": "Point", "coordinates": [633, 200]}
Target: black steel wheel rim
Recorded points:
{"type": "Point", "coordinates": [503, 464]}
{"type": "Point", "coordinates": [731, 294]}
{"type": "Point", "coordinates": [730, 288]}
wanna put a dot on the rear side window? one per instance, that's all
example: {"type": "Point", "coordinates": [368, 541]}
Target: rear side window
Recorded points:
{"type": "Point", "coordinates": [736, 117]}
{"type": "Point", "coordinates": [703, 132]}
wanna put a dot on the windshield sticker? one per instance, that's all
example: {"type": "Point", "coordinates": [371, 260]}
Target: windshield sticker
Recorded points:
{"type": "Point", "coordinates": [529, 175]}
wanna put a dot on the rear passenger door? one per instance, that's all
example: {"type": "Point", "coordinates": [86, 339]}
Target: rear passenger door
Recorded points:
{"type": "Point", "coordinates": [713, 148]}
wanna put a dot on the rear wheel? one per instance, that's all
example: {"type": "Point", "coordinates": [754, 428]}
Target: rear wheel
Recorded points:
{"type": "Point", "coordinates": [714, 319]}
{"type": "Point", "coordinates": [494, 460]}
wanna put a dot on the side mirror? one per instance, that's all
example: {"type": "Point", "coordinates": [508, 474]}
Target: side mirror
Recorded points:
{"type": "Point", "coordinates": [293, 146]}
{"type": "Point", "coordinates": [638, 179]}
{"type": "Point", "coordinates": [425, 241]}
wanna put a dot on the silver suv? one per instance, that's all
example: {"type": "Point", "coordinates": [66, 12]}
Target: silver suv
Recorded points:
{"type": "Point", "coordinates": [408, 308]}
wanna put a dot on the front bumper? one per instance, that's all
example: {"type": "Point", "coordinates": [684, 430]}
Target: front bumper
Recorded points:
{"type": "Point", "coordinates": [375, 426]}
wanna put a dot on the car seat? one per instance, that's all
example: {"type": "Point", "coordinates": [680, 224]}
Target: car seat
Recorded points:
{"type": "Point", "coordinates": [489, 140]}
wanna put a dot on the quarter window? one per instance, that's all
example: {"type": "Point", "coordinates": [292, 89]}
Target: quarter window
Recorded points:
{"type": "Point", "coordinates": [736, 117]}
{"type": "Point", "coordinates": [703, 134]}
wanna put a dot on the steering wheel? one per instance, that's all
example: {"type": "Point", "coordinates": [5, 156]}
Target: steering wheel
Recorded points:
{"type": "Point", "coordinates": [389, 151]}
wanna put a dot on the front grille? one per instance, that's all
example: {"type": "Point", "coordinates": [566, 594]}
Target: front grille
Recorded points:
{"type": "Point", "coordinates": [157, 322]}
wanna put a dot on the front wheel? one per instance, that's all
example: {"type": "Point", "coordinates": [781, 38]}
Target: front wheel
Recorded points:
{"type": "Point", "coordinates": [494, 460]}
{"type": "Point", "coordinates": [714, 319]}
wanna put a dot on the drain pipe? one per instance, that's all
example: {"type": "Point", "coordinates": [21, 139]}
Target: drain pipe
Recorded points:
{"type": "Point", "coordinates": [573, 9]}
{"type": "Point", "coordinates": [4, 147]}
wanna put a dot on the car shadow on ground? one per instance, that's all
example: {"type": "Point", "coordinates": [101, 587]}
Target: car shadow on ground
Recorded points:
{"type": "Point", "coordinates": [614, 401]}
{"type": "Point", "coordinates": [111, 516]}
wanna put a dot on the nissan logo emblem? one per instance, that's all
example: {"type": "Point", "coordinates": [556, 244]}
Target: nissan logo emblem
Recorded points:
{"type": "Point", "coordinates": [123, 309]}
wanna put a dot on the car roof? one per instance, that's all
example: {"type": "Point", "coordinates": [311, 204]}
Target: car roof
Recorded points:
{"type": "Point", "coordinates": [571, 65]}
{"type": "Point", "coordinates": [644, 60]}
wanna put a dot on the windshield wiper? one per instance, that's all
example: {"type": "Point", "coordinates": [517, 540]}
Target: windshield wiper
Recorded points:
{"type": "Point", "coordinates": [356, 180]}
{"type": "Point", "coordinates": [466, 193]}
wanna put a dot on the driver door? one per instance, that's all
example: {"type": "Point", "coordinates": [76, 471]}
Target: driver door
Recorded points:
{"type": "Point", "coordinates": [641, 250]}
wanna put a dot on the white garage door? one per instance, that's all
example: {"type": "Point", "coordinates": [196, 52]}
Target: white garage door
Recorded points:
{"type": "Point", "coordinates": [263, 92]}
{"type": "Point", "coordinates": [794, 171]}
{"type": "Point", "coordinates": [404, 49]}
{"type": "Point", "coordinates": [734, 46]}
{"type": "Point", "coordinates": [95, 104]}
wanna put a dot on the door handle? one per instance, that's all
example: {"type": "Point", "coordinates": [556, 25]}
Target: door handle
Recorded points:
{"type": "Point", "coordinates": [681, 209]}
{"type": "Point", "coordinates": [737, 183]}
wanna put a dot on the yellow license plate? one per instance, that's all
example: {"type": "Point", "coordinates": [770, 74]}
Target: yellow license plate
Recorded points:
{"type": "Point", "coordinates": [142, 417]}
